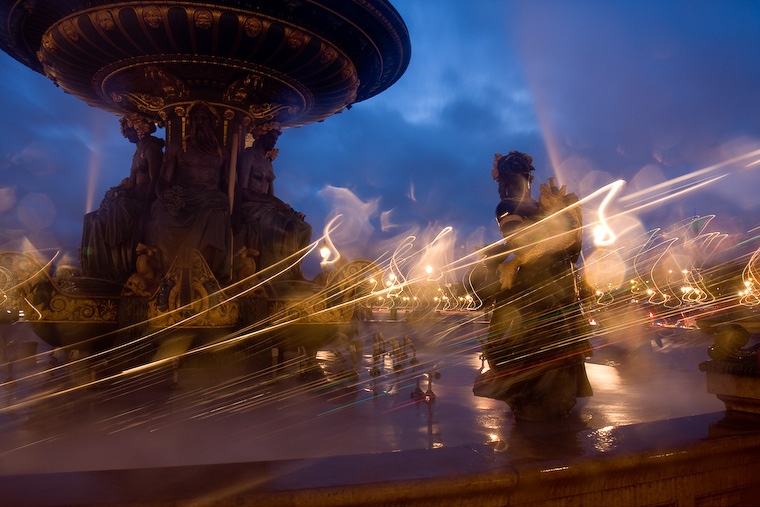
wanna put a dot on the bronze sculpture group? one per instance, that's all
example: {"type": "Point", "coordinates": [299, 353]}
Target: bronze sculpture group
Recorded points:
{"type": "Point", "coordinates": [195, 236]}
{"type": "Point", "coordinates": [186, 199]}
{"type": "Point", "coordinates": [111, 233]}
{"type": "Point", "coordinates": [268, 227]}
{"type": "Point", "coordinates": [537, 338]}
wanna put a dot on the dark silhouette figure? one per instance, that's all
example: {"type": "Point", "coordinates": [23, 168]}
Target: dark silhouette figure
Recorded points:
{"type": "Point", "coordinates": [265, 224]}
{"type": "Point", "coordinates": [537, 340]}
{"type": "Point", "coordinates": [111, 233]}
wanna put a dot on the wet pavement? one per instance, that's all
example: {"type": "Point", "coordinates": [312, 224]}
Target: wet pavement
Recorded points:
{"type": "Point", "coordinates": [225, 411]}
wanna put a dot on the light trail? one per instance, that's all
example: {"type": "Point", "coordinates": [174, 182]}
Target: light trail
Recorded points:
{"type": "Point", "coordinates": [693, 175]}
{"type": "Point", "coordinates": [333, 253]}
{"type": "Point", "coordinates": [252, 390]}
{"type": "Point", "coordinates": [750, 296]}
{"type": "Point", "coordinates": [603, 235]}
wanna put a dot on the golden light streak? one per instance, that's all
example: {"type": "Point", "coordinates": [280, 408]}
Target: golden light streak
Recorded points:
{"type": "Point", "coordinates": [750, 275]}
{"type": "Point", "coordinates": [401, 266]}
{"type": "Point", "coordinates": [332, 252]}
{"type": "Point", "coordinates": [297, 257]}
{"type": "Point", "coordinates": [39, 272]}
{"type": "Point", "coordinates": [603, 235]}
{"type": "Point", "coordinates": [39, 315]}
{"type": "Point", "coordinates": [691, 175]}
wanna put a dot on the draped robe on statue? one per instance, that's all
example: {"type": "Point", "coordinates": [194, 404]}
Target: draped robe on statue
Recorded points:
{"type": "Point", "coordinates": [264, 223]}
{"type": "Point", "coordinates": [273, 229]}
{"type": "Point", "coordinates": [537, 340]}
{"type": "Point", "coordinates": [111, 234]}
{"type": "Point", "coordinates": [536, 345]}
{"type": "Point", "coordinates": [193, 216]}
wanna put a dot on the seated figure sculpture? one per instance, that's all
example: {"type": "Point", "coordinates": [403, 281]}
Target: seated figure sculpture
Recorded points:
{"type": "Point", "coordinates": [111, 233]}
{"type": "Point", "coordinates": [537, 339]}
{"type": "Point", "coordinates": [192, 210]}
{"type": "Point", "coordinates": [264, 223]}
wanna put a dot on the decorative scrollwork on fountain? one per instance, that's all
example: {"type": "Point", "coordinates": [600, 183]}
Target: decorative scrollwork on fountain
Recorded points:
{"type": "Point", "coordinates": [28, 286]}
{"type": "Point", "coordinates": [143, 102]}
{"type": "Point", "coordinates": [268, 111]}
{"type": "Point", "coordinates": [158, 87]}
{"type": "Point", "coordinates": [190, 295]}
{"type": "Point", "coordinates": [239, 91]}
{"type": "Point", "coordinates": [335, 303]}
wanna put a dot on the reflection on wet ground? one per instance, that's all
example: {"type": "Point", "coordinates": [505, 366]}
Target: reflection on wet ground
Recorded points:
{"type": "Point", "coordinates": [223, 411]}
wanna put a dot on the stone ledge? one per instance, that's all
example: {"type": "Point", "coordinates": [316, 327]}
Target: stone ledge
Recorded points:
{"type": "Point", "coordinates": [738, 392]}
{"type": "Point", "coordinates": [712, 459]}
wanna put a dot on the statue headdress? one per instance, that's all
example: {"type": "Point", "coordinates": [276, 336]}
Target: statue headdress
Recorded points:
{"type": "Point", "coordinates": [515, 164]}
{"type": "Point", "coordinates": [211, 109]}
{"type": "Point", "coordinates": [140, 124]}
{"type": "Point", "coordinates": [260, 129]}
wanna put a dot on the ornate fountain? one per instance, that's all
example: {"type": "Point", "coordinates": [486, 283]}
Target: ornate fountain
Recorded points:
{"type": "Point", "coordinates": [211, 74]}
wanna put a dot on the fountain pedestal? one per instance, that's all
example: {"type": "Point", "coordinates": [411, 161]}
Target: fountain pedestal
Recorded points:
{"type": "Point", "coordinates": [740, 392]}
{"type": "Point", "coordinates": [733, 373]}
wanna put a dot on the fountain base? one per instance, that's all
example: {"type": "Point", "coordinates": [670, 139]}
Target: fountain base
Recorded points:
{"type": "Point", "coordinates": [738, 392]}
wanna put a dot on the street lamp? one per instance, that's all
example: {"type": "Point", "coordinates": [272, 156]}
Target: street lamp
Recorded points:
{"type": "Point", "coordinates": [324, 252]}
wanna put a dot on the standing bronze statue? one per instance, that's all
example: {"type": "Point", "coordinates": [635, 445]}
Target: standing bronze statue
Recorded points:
{"type": "Point", "coordinates": [111, 233]}
{"type": "Point", "coordinates": [537, 340]}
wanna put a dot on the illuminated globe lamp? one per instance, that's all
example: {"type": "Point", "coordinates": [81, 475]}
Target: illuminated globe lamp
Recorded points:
{"type": "Point", "coordinates": [257, 65]}
{"type": "Point", "coordinates": [325, 252]}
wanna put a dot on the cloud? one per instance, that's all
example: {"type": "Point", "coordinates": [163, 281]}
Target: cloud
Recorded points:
{"type": "Point", "coordinates": [593, 91]}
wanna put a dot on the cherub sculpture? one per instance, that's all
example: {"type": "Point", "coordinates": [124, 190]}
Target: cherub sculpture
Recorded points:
{"type": "Point", "coordinates": [244, 266]}
{"type": "Point", "coordinates": [148, 266]}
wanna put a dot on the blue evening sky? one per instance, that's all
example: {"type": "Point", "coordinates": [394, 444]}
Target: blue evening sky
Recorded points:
{"type": "Point", "coordinates": [644, 91]}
